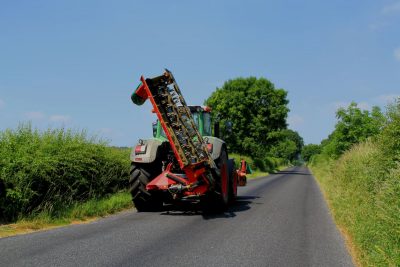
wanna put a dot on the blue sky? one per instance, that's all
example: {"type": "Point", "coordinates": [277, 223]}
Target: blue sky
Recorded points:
{"type": "Point", "coordinates": [76, 63]}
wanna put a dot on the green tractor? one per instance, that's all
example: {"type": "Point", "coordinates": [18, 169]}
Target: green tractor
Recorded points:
{"type": "Point", "coordinates": [185, 160]}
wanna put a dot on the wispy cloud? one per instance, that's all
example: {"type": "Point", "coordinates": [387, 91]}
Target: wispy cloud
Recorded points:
{"type": "Point", "coordinates": [392, 8]}
{"type": "Point", "coordinates": [110, 133]}
{"type": "Point", "coordinates": [106, 131]}
{"type": "Point", "coordinates": [386, 16]}
{"type": "Point", "coordinates": [376, 26]}
{"type": "Point", "coordinates": [396, 53]}
{"type": "Point", "coordinates": [2, 104]}
{"type": "Point", "coordinates": [387, 98]}
{"type": "Point", "coordinates": [364, 105]}
{"type": "Point", "coordinates": [380, 101]}
{"type": "Point", "coordinates": [60, 118]}
{"type": "Point", "coordinates": [34, 115]}
{"type": "Point", "coordinates": [344, 104]}
{"type": "Point", "coordinates": [340, 104]}
{"type": "Point", "coordinates": [44, 118]}
{"type": "Point", "coordinates": [295, 120]}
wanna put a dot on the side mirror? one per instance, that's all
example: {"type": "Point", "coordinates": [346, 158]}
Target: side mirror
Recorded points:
{"type": "Point", "coordinates": [228, 127]}
{"type": "Point", "coordinates": [154, 126]}
{"type": "Point", "coordinates": [216, 129]}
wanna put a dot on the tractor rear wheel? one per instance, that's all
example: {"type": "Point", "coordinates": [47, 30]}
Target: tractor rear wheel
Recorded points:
{"type": "Point", "coordinates": [232, 181]}
{"type": "Point", "coordinates": [140, 176]}
{"type": "Point", "coordinates": [224, 182]}
{"type": "Point", "coordinates": [216, 202]}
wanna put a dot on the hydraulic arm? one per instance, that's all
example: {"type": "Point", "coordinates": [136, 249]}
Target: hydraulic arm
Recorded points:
{"type": "Point", "coordinates": [188, 145]}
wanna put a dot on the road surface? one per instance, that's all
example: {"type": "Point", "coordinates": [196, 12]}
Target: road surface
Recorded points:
{"type": "Point", "coordinates": [279, 220]}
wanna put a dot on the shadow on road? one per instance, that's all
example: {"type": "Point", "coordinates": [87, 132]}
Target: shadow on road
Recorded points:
{"type": "Point", "coordinates": [241, 204]}
{"type": "Point", "coordinates": [292, 172]}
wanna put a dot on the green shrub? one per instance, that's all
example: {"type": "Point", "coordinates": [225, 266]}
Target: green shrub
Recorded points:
{"type": "Point", "coordinates": [389, 139]}
{"type": "Point", "coordinates": [354, 125]}
{"type": "Point", "coordinates": [310, 150]}
{"type": "Point", "coordinates": [259, 164]}
{"type": "Point", "coordinates": [238, 159]}
{"type": "Point", "coordinates": [262, 165]}
{"type": "Point", "coordinates": [48, 170]}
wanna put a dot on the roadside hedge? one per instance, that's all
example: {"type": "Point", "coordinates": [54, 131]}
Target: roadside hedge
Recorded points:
{"type": "Point", "coordinates": [363, 189]}
{"type": "Point", "coordinates": [53, 169]}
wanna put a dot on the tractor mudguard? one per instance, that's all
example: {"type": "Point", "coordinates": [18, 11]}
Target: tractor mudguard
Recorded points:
{"type": "Point", "coordinates": [217, 145]}
{"type": "Point", "coordinates": [146, 151]}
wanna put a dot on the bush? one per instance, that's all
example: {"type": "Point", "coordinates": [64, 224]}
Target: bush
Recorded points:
{"type": "Point", "coordinates": [310, 150]}
{"type": "Point", "coordinates": [266, 164]}
{"type": "Point", "coordinates": [269, 164]}
{"type": "Point", "coordinates": [48, 170]}
{"type": "Point", "coordinates": [389, 138]}
{"type": "Point", "coordinates": [354, 126]}
{"type": "Point", "coordinates": [259, 164]}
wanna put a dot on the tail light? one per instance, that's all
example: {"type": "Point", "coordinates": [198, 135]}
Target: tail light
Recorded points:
{"type": "Point", "coordinates": [210, 148]}
{"type": "Point", "coordinates": [140, 149]}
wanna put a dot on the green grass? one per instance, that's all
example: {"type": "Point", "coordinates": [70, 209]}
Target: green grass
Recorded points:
{"type": "Point", "coordinates": [100, 207]}
{"type": "Point", "coordinates": [76, 213]}
{"type": "Point", "coordinates": [256, 174]}
{"type": "Point", "coordinates": [364, 196]}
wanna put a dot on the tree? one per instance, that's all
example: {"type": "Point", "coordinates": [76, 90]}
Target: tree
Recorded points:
{"type": "Point", "coordinates": [286, 144]}
{"type": "Point", "coordinates": [309, 151]}
{"type": "Point", "coordinates": [256, 109]}
{"type": "Point", "coordinates": [354, 125]}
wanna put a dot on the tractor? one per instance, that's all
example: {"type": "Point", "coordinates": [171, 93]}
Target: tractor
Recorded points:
{"type": "Point", "coordinates": [185, 161]}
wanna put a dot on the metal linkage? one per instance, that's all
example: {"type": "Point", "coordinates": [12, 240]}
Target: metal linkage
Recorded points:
{"type": "Point", "coordinates": [178, 121]}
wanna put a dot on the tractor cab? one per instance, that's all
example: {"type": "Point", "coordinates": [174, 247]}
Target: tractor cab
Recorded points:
{"type": "Point", "coordinates": [201, 116]}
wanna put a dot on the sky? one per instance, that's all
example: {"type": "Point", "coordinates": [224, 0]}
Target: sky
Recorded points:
{"type": "Point", "coordinates": [74, 64]}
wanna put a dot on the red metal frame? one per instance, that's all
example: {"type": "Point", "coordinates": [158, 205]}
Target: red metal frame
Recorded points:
{"type": "Point", "coordinates": [167, 178]}
{"type": "Point", "coordinates": [157, 111]}
{"type": "Point", "coordinates": [194, 172]}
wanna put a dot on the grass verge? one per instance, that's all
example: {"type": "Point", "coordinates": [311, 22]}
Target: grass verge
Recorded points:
{"type": "Point", "coordinates": [364, 197]}
{"type": "Point", "coordinates": [78, 213]}
{"type": "Point", "coordinates": [258, 173]}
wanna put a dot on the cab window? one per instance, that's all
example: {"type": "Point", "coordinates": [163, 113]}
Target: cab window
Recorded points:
{"type": "Point", "coordinates": [196, 119]}
{"type": "Point", "coordinates": [207, 123]}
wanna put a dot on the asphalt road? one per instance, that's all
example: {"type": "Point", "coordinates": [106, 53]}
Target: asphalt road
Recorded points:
{"type": "Point", "coordinates": [279, 220]}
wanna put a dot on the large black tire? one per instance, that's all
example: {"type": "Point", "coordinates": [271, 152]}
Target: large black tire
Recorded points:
{"type": "Point", "coordinates": [216, 202]}
{"type": "Point", "coordinates": [223, 183]}
{"type": "Point", "coordinates": [140, 176]}
{"type": "Point", "coordinates": [232, 181]}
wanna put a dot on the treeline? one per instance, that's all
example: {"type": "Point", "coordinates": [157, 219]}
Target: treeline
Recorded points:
{"type": "Point", "coordinates": [358, 166]}
{"type": "Point", "coordinates": [54, 169]}
{"type": "Point", "coordinates": [252, 114]}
